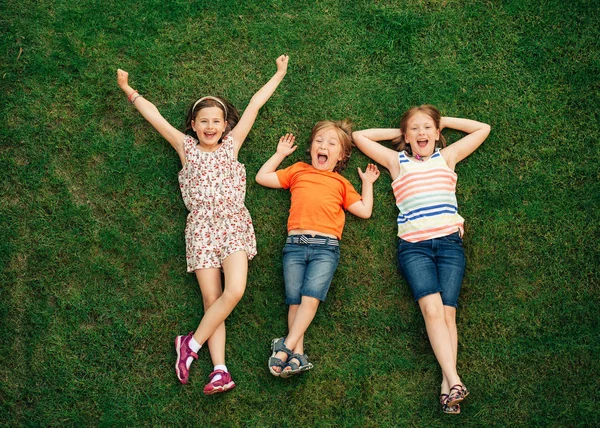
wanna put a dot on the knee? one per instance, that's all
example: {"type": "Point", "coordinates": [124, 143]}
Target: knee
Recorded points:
{"type": "Point", "coordinates": [209, 299]}
{"type": "Point", "coordinates": [433, 313]}
{"type": "Point", "coordinates": [233, 295]}
{"type": "Point", "coordinates": [310, 302]}
{"type": "Point", "coordinates": [450, 319]}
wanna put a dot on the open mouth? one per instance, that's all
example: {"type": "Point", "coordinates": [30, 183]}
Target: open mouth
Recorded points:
{"type": "Point", "coordinates": [210, 134]}
{"type": "Point", "coordinates": [322, 159]}
{"type": "Point", "coordinates": [422, 142]}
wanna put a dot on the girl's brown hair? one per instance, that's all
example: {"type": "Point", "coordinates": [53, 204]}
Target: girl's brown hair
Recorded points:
{"type": "Point", "coordinates": [429, 110]}
{"type": "Point", "coordinates": [232, 116]}
{"type": "Point", "coordinates": [343, 128]}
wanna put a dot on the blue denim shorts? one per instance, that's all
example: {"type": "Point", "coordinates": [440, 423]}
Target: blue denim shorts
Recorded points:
{"type": "Point", "coordinates": [433, 266]}
{"type": "Point", "coordinates": [308, 266]}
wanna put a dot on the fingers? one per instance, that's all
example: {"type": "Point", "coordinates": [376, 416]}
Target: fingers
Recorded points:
{"type": "Point", "coordinates": [372, 168]}
{"type": "Point", "coordinates": [286, 144]}
{"type": "Point", "coordinates": [371, 172]}
{"type": "Point", "coordinates": [287, 139]}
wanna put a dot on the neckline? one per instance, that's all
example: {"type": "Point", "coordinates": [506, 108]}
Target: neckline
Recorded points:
{"type": "Point", "coordinates": [419, 161]}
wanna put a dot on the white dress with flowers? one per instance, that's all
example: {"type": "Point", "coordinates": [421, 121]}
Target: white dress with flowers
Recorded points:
{"type": "Point", "coordinates": [213, 187]}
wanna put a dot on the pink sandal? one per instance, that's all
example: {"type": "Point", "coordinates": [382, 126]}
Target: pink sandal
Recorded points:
{"type": "Point", "coordinates": [221, 385]}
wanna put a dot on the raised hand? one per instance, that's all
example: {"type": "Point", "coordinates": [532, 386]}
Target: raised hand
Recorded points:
{"type": "Point", "coordinates": [286, 145]}
{"type": "Point", "coordinates": [282, 63]}
{"type": "Point", "coordinates": [122, 78]}
{"type": "Point", "coordinates": [371, 173]}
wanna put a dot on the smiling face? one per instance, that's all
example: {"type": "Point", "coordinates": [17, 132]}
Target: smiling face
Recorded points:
{"type": "Point", "coordinates": [209, 125]}
{"type": "Point", "coordinates": [326, 149]}
{"type": "Point", "coordinates": [421, 133]}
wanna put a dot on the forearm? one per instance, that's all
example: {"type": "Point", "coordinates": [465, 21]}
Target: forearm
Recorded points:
{"type": "Point", "coordinates": [266, 175]}
{"type": "Point", "coordinates": [465, 125]}
{"type": "Point", "coordinates": [152, 115]}
{"type": "Point", "coordinates": [379, 134]}
{"type": "Point", "coordinates": [127, 89]}
{"type": "Point", "coordinates": [367, 198]}
{"type": "Point", "coordinates": [366, 143]}
{"type": "Point", "coordinates": [364, 207]}
{"type": "Point", "coordinates": [262, 96]}
{"type": "Point", "coordinates": [145, 107]}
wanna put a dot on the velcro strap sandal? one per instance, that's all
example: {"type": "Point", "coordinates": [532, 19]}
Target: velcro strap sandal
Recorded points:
{"type": "Point", "coordinates": [277, 345]}
{"type": "Point", "coordinates": [305, 365]}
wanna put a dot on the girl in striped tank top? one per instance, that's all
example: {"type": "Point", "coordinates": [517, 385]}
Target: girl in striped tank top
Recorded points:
{"type": "Point", "coordinates": [430, 252]}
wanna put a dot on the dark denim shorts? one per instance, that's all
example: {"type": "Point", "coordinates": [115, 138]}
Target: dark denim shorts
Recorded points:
{"type": "Point", "coordinates": [433, 266]}
{"type": "Point", "coordinates": [308, 267]}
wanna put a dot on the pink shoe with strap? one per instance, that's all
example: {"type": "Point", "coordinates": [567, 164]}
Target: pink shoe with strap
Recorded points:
{"type": "Point", "coordinates": [221, 385]}
{"type": "Point", "coordinates": [184, 351]}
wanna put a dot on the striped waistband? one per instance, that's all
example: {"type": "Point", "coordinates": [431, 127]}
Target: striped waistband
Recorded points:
{"type": "Point", "coordinates": [308, 239]}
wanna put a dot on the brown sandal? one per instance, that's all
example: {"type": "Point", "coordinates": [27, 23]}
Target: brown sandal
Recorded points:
{"type": "Point", "coordinates": [457, 394]}
{"type": "Point", "coordinates": [452, 410]}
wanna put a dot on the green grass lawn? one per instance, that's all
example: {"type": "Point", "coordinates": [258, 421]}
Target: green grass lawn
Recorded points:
{"type": "Point", "coordinates": [93, 287]}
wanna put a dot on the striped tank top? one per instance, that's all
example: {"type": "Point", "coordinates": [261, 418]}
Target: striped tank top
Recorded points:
{"type": "Point", "coordinates": [425, 194]}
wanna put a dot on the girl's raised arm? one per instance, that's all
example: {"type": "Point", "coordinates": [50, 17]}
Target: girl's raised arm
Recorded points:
{"type": "Point", "coordinates": [459, 150]}
{"type": "Point", "coordinates": [367, 141]}
{"type": "Point", "coordinates": [152, 115]}
{"type": "Point", "coordinates": [259, 99]}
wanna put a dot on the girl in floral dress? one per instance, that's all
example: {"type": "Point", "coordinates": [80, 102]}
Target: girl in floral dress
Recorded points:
{"type": "Point", "coordinates": [219, 234]}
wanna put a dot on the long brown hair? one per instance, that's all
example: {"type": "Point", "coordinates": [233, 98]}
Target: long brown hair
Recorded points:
{"type": "Point", "coordinates": [343, 128]}
{"type": "Point", "coordinates": [232, 116]}
{"type": "Point", "coordinates": [429, 110]}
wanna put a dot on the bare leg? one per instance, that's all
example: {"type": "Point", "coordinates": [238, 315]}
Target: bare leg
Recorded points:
{"type": "Point", "coordinates": [299, 348]}
{"type": "Point", "coordinates": [235, 268]}
{"type": "Point", "coordinates": [440, 337]}
{"type": "Point", "coordinates": [303, 317]}
{"type": "Point", "coordinates": [211, 288]}
{"type": "Point", "coordinates": [450, 318]}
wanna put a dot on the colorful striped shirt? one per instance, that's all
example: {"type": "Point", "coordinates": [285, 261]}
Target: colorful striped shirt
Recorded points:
{"type": "Point", "coordinates": [425, 193]}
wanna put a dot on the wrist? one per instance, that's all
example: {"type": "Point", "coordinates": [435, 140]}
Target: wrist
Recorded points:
{"type": "Point", "coordinates": [127, 89]}
{"type": "Point", "coordinates": [443, 122]}
{"type": "Point", "coordinates": [133, 96]}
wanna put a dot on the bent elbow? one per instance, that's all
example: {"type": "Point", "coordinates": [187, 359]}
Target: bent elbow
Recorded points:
{"type": "Point", "coordinates": [365, 214]}
{"type": "Point", "coordinates": [356, 136]}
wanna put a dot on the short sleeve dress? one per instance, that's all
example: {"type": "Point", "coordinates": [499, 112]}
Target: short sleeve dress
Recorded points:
{"type": "Point", "coordinates": [213, 187]}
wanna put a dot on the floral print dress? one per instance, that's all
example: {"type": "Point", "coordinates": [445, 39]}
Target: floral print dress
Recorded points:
{"type": "Point", "coordinates": [213, 187]}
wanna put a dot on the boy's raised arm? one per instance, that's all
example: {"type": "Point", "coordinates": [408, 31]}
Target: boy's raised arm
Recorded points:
{"type": "Point", "coordinates": [267, 175]}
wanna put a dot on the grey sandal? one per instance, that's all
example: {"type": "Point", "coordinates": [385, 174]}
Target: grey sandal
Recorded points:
{"type": "Point", "coordinates": [277, 345]}
{"type": "Point", "coordinates": [305, 365]}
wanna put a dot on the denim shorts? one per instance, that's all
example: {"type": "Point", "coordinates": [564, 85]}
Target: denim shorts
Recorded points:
{"type": "Point", "coordinates": [433, 266]}
{"type": "Point", "coordinates": [308, 266]}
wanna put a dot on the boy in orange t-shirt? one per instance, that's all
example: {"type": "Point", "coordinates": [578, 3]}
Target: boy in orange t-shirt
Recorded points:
{"type": "Point", "coordinates": [312, 250]}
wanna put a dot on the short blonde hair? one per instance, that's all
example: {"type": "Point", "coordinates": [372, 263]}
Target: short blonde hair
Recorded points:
{"type": "Point", "coordinates": [343, 129]}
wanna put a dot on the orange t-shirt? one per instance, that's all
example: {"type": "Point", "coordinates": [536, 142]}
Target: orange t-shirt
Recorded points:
{"type": "Point", "coordinates": [319, 198]}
